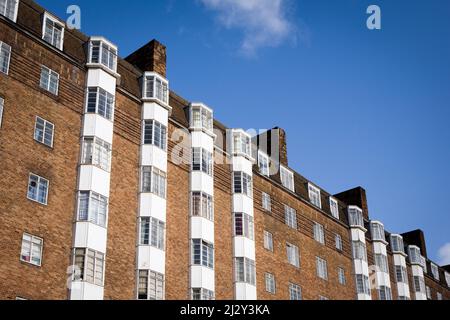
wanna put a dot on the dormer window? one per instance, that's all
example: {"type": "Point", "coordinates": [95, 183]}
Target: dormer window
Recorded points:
{"type": "Point", "coordinates": [377, 230]}
{"type": "Point", "coordinates": [201, 117]}
{"type": "Point", "coordinates": [155, 87]}
{"type": "Point", "coordinates": [241, 143]}
{"type": "Point", "coordinates": [355, 217]}
{"type": "Point", "coordinates": [397, 244]}
{"type": "Point", "coordinates": [423, 263]}
{"type": "Point", "coordinates": [287, 178]}
{"type": "Point", "coordinates": [334, 208]}
{"type": "Point", "coordinates": [53, 31]}
{"type": "Point", "coordinates": [447, 278]}
{"type": "Point", "coordinates": [263, 163]}
{"type": "Point", "coordinates": [414, 255]}
{"type": "Point", "coordinates": [103, 52]}
{"type": "Point", "coordinates": [314, 195]}
{"type": "Point", "coordinates": [435, 271]}
{"type": "Point", "coordinates": [8, 8]}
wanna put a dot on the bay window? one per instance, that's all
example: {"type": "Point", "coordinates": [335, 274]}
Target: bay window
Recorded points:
{"type": "Point", "coordinates": [152, 232]}
{"type": "Point", "coordinates": [153, 181]}
{"type": "Point", "coordinates": [102, 52]}
{"type": "Point", "coordinates": [397, 244]}
{"type": "Point", "coordinates": [202, 253]}
{"type": "Point", "coordinates": [245, 271]}
{"type": "Point", "coordinates": [89, 266]}
{"type": "Point", "coordinates": [362, 284]}
{"type": "Point", "coordinates": [355, 217]}
{"type": "Point", "coordinates": [202, 160]}
{"type": "Point", "coordinates": [201, 117]}
{"type": "Point", "coordinates": [96, 152]}
{"type": "Point", "coordinates": [202, 205]}
{"type": "Point", "coordinates": [92, 207]}
{"type": "Point", "coordinates": [242, 183]}
{"type": "Point", "coordinates": [384, 293]}
{"type": "Point", "coordinates": [401, 274]}
{"type": "Point", "coordinates": [381, 262]}
{"type": "Point", "coordinates": [150, 285]}
{"type": "Point", "coordinates": [101, 102]}
{"type": "Point", "coordinates": [202, 294]}
{"type": "Point", "coordinates": [377, 230]}
{"type": "Point", "coordinates": [414, 255]}
{"type": "Point", "coordinates": [155, 87]}
{"type": "Point", "coordinates": [243, 225]}
{"type": "Point", "coordinates": [359, 250]}
{"type": "Point", "coordinates": [155, 134]}
{"type": "Point", "coordinates": [241, 144]}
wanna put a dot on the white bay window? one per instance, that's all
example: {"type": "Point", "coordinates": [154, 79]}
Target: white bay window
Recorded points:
{"type": "Point", "coordinates": [103, 52]}
{"type": "Point", "coordinates": [243, 225]}
{"type": "Point", "coordinates": [88, 266]}
{"type": "Point", "coordinates": [101, 102]}
{"type": "Point", "coordinates": [92, 207]}
{"type": "Point", "coordinates": [153, 181]}
{"type": "Point", "coordinates": [201, 117]}
{"type": "Point", "coordinates": [155, 87]}
{"type": "Point", "coordinates": [202, 205]}
{"type": "Point", "coordinates": [152, 232]}
{"type": "Point", "coordinates": [245, 270]}
{"type": "Point", "coordinates": [96, 152]}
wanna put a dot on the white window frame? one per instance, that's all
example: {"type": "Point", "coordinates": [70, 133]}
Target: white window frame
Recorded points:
{"type": "Point", "coordinates": [206, 250]}
{"type": "Point", "coordinates": [202, 161]}
{"type": "Point", "coordinates": [242, 183]}
{"type": "Point", "coordinates": [338, 242]}
{"type": "Point", "coordinates": [246, 225]}
{"type": "Point", "coordinates": [414, 255]}
{"type": "Point", "coordinates": [384, 293]}
{"type": "Point", "coordinates": [266, 202]}
{"type": "Point", "coordinates": [322, 268]}
{"type": "Point", "coordinates": [397, 243]}
{"type": "Point", "coordinates": [201, 117]}
{"type": "Point", "coordinates": [377, 231]}
{"type": "Point", "coordinates": [15, 9]}
{"type": "Point", "coordinates": [447, 278]}
{"type": "Point", "coordinates": [155, 233]}
{"type": "Point", "coordinates": [80, 275]}
{"type": "Point", "coordinates": [47, 125]}
{"type": "Point", "coordinates": [159, 88]}
{"type": "Point", "coordinates": [96, 152]}
{"type": "Point", "coordinates": [435, 271]}
{"type": "Point", "coordinates": [103, 44]}
{"type": "Point", "coordinates": [359, 250]}
{"type": "Point", "coordinates": [341, 276]}
{"type": "Point", "coordinates": [110, 102]}
{"type": "Point", "coordinates": [290, 217]}
{"type": "Point", "coordinates": [381, 261]}
{"type": "Point", "coordinates": [39, 179]}
{"type": "Point", "coordinates": [32, 243]}
{"type": "Point", "coordinates": [295, 291]}
{"type": "Point", "coordinates": [419, 284]}
{"type": "Point", "coordinates": [55, 21]}
{"type": "Point", "coordinates": [439, 296]}
{"type": "Point", "coordinates": [263, 164]}
{"type": "Point", "coordinates": [319, 233]}
{"type": "Point", "coordinates": [355, 217]}
{"type": "Point", "coordinates": [202, 294]}
{"type": "Point", "coordinates": [362, 284]}
{"type": "Point", "coordinates": [245, 270]}
{"type": "Point", "coordinates": [314, 195]}
{"type": "Point", "coordinates": [241, 144]}
{"type": "Point", "coordinates": [334, 208]}
{"type": "Point", "coordinates": [51, 74]}
{"type": "Point", "coordinates": [5, 49]}
{"type": "Point", "coordinates": [401, 274]}
{"type": "Point", "coordinates": [268, 241]}
{"type": "Point", "coordinates": [270, 283]}
{"type": "Point", "coordinates": [202, 205]}
{"type": "Point", "coordinates": [293, 254]}
{"type": "Point", "coordinates": [158, 134]}
{"type": "Point", "coordinates": [428, 292]}
{"type": "Point", "coordinates": [158, 181]}
{"type": "Point", "coordinates": [287, 178]}
{"type": "Point", "coordinates": [153, 282]}
{"type": "Point", "coordinates": [95, 203]}
{"type": "Point", "coordinates": [2, 102]}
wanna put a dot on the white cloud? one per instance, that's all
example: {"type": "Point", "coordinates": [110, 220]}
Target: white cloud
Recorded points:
{"type": "Point", "coordinates": [264, 22]}
{"type": "Point", "coordinates": [444, 254]}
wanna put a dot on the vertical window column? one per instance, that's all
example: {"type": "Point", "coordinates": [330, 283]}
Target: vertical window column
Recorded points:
{"type": "Point", "coordinates": [201, 188]}
{"type": "Point", "coordinates": [151, 237]}
{"type": "Point", "coordinates": [382, 277]}
{"type": "Point", "coordinates": [92, 196]}
{"type": "Point", "coordinates": [242, 206]}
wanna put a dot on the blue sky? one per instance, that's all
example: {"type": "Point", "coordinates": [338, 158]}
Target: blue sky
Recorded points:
{"type": "Point", "coordinates": [360, 107]}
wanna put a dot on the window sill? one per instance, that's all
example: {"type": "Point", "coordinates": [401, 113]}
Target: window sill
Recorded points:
{"type": "Point", "coordinates": [90, 222]}
{"type": "Point", "coordinates": [43, 144]}
{"type": "Point", "coordinates": [49, 94]}
{"type": "Point", "coordinates": [38, 202]}
{"type": "Point", "coordinates": [30, 264]}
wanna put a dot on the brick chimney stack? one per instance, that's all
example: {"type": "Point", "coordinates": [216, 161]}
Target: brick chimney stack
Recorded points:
{"type": "Point", "coordinates": [355, 197]}
{"type": "Point", "coordinates": [151, 57]}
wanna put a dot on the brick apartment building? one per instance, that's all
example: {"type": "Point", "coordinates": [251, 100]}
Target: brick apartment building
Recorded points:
{"type": "Point", "coordinates": [114, 187]}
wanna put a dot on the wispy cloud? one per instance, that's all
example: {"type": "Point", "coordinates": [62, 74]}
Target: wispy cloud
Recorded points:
{"type": "Point", "coordinates": [265, 23]}
{"type": "Point", "coordinates": [444, 254]}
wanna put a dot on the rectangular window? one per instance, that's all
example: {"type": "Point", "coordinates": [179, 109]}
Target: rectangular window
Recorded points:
{"type": "Point", "coordinates": [31, 249]}
{"type": "Point", "coordinates": [5, 57]}
{"type": "Point", "coordinates": [242, 183]}
{"type": "Point", "coordinates": [414, 255]}
{"type": "Point", "coordinates": [287, 178]}
{"type": "Point", "coordinates": [243, 225]}
{"type": "Point", "coordinates": [290, 217]}
{"type": "Point", "coordinates": [341, 276]}
{"type": "Point", "coordinates": [201, 118]}
{"type": "Point", "coordinates": [359, 250]}
{"type": "Point", "coordinates": [43, 132]}
{"type": "Point", "coordinates": [202, 205]}
{"type": "Point", "coordinates": [96, 152]}
{"type": "Point", "coordinates": [37, 189]}
{"type": "Point", "coordinates": [156, 87]}
{"type": "Point", "coordinates": [293, 255]}
{"type": "Point", "coordinates": [8, 9]}
{"type": "Point", "coordinates": [439, 296]}
{"type": "Point", "coordinates": [321, 266]}
{"type": "Point", "coordinates": [384, 293]}
{"type": "Point", "coordinates": [101, 52]}
{"type": "Point", "coordinates": [319, 233]}
{"type": "Point", "coordinates": [401, 274]}
{"type": "Point", "coordinates": [150, 285]}
{"type": "Point", "coordinates": [334, 208]}
{"type": "Point", "coordinates": [397, 244]}
{"type": "Point", "coordinates": [202, 253]}
{"type": "Point", "coordinates": [268, 241]}
{"type": "Point", "coordinates": [1, 110]}
{"type": "Point", "coordinates": [362, 284]}
{"type": "Point", "coordinates": [339, 244]}
{"type": "Point", "coordinates": [241, 144]}
{"type": "Point", "coordinates": [202, 160]}
{"type": "Point", "coordinates": [270, 283]}
{"type": "Point", "coordinates": [263, 163]}
{"type": "Point", "coordinates": [89, 266]}
{"type": "Point", "coordinates": [377, 230]}
{"type": "Point", "coordinates": [53, 31]}
{"type": "Point", "coordinates": [202, 294]}
{"type": "Point", "coordinates": [295, 292]}
{"type": "Point", "coordinates": [245, 270]}
{"type": "Point", "coordinates": [355, 217]}
{"type": "Point", "coordinates": [314, 196]}
{"type": "Point", "coordinates": [152, 232]}
{"type": "Point", "coordinates": [435, 271]}
{"type": "Point", "coordinates": [381, 262]}
{"type": "Point", "coordinates": [49, 80]}
{"type": "Point", "coordinates": [100, 102]}
{"type": "Point", "coordinates": [266, 202]}
{"type": "Point", "coordinates": [92, 207]}
{"type": "Point", "coordinates": [153, 181]}
{"type": "Point", "coordinates": [447, 278]}
{"type": "Point", "coordinates": [428, 291]}
{"type": "Point", "coordinates": [419, 284]}
{"type": "Point", "coordinates": [155, 134]}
